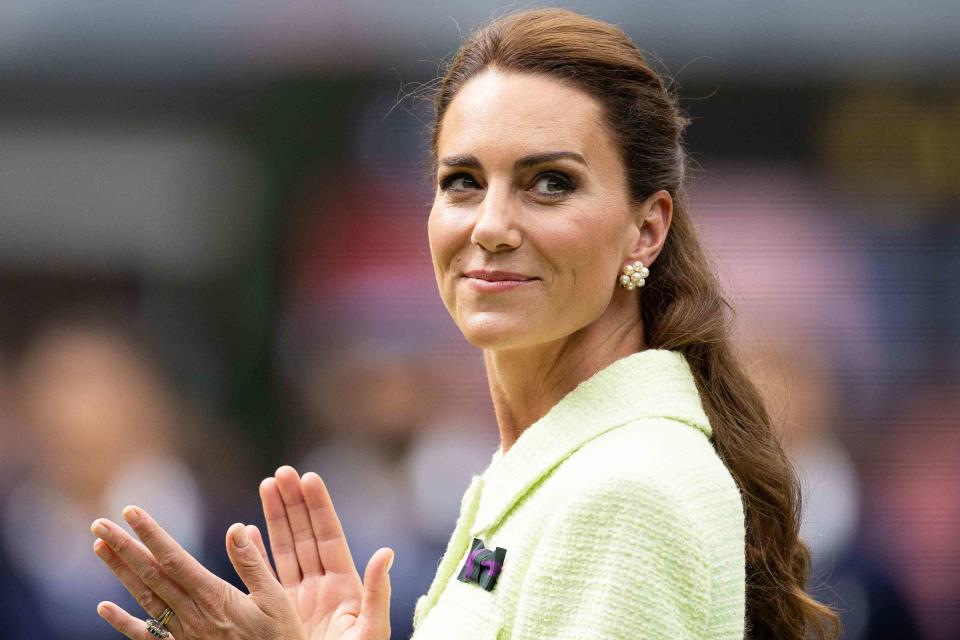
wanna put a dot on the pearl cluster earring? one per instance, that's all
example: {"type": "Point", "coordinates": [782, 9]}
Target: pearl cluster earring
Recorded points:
{"type": "Point", "coordinates": [633, 276]}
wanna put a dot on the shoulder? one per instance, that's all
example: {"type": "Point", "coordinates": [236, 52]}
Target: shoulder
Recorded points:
{"type": "Point", "coordinates": [658, 478]}
{"type": "Point", "coordinates": [620, 534]}
{"type": "Point", "coordinates": [622, 503]}
{"type": "Point", "coordinates": [645, 514]}
{"type": "Point", "coordinates": [661, 456]}
{"type": "Point", "coordinates": [636, 487]}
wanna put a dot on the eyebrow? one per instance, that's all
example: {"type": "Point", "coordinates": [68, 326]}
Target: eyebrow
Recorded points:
{"type": "Point", "coordinates": [471, 162]}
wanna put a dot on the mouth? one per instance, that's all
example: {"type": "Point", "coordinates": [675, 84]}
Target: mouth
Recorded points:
{"type": "Point", "coordinates": [493, 286]}
{"type": "Point", "coordinates": [501, 279]}
{"type": "Point", "coordinates": [498, 276]}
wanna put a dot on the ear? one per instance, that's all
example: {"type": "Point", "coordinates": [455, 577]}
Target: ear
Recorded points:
{"type": "Point", "coordinates": [652, 218]}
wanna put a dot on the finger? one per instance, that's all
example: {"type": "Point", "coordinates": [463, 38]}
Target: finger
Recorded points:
{"type": "Point", "coordinates": [254, 534]}
{"type": "Point", "coordinates": [375, 607]}
{"type": "Point", "coordinates": [251, 566]}
{"type": "Point", "coordinates": [304, 540]}
{"type": "Point", "coordinates": [281, 538]}
{"type": "Point", "coordinates": [175, 562]}
{"type": "Point", "coordinates": [332, 543]}
{"type": "Point", "coordinates": [142, 562]}
{"type": "Point", "coordinates": [133, 628]}
{"type": "Point", "coordinates": [143, 594]}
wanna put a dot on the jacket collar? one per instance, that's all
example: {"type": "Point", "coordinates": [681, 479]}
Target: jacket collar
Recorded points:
{"type": "Point", "coordinates": [648, 383]}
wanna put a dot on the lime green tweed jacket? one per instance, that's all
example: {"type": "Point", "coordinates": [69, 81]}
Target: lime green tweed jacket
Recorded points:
{"type": "Point", "coordinates": [617, 517]}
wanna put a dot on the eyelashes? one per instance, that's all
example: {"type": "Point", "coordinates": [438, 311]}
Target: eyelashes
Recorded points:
{"type": "Point", "coordinates": [445, 182]}
{"type": "Point", "coordinates": [566, 184]}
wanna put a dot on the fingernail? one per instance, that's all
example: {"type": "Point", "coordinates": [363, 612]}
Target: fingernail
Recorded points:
{"type": "Point", "coordinates": [240, 538]}
{"type": "Point", "coordinates": [102, 609]}
{"type": "Point", "coordinates": [390, 563]}
{"type": "Point", "coordinates": [100, 548]}
{"type": "Point", "coordinates": [132, 515]}
{"type": "Point", "coordinates": [99, 530]}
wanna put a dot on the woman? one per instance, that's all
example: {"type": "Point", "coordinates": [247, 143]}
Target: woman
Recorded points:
{"type": "Point", "coordinates": [638, 491]}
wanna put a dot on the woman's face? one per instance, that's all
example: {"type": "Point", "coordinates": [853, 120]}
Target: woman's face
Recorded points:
{"type": "Point", "coordinates": [565, 223]}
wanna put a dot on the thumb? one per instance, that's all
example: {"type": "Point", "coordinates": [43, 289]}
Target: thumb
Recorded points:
{"type": "Point", "coordinates": [250, 564]}
{"type": "Point", "coordinates": [375, 607]}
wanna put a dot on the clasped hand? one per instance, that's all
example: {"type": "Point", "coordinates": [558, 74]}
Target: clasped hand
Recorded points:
{"type": "Point", "coordinates": [315, 592]}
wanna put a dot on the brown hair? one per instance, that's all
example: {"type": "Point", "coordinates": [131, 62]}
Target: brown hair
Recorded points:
{"type": "Point", "coordinates": [683, 307]}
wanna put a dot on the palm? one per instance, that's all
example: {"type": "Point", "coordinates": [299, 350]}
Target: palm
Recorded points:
{"type": "Point", "coordinates": [313, 560]}
{"type": "Point", "coordinates": [326, 605]}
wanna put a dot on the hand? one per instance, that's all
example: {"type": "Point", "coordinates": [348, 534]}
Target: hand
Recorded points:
{"type": "Point", "coordinates": [160, 574]}
{"type": "Point", "coordinates": [314, 564]}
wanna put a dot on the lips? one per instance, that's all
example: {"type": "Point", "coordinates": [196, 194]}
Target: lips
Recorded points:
{"type": "Point", "coordinates": [496, 276]}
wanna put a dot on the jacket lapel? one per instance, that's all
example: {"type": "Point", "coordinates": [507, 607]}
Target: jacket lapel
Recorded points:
{"type": "Point", "coordinates": [649, 383]}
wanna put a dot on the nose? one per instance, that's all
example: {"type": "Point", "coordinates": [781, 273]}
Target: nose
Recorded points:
{"type": "Point", "coordinates": [495, 226]}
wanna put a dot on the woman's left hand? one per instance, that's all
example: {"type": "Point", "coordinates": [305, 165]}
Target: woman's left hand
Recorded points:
{"type": "Point", "coordinates": [160, 574]}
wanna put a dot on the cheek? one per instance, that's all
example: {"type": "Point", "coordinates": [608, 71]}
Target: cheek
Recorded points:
{"type": "Point", "coordinates": [589, 283]}
{"type": "Point", "coordinates": [580, 251]}
{"type": "Point", "coordinates": [445, 238]}
{"type": "Point", "coordinates": [584, 259]}
{"type": "Point", "coordinates": [438, 238]}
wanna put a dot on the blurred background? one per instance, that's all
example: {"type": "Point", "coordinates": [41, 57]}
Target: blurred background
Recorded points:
{"type": "Point", "coordinates": [213, 261]}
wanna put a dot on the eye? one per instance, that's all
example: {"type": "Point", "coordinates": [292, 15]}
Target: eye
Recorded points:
{"type": "Point", "coordinates": [557, 184]}
{"type": "Point", "coordinates": [449, 181]}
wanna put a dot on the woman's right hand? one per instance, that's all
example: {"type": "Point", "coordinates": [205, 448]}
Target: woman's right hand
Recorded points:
{"type": "Point", "coordinates": [314, 565]}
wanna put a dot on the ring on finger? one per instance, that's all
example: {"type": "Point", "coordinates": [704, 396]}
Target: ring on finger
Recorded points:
{"type": "Point", "coordinates": [156, 625]}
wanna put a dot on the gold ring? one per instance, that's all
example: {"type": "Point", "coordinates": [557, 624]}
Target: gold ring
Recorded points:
{"type": "Point", "coordinates": [165, 616]}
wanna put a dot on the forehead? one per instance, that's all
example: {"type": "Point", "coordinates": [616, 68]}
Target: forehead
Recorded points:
{"type": "Point", "coordinates": [506, 113]}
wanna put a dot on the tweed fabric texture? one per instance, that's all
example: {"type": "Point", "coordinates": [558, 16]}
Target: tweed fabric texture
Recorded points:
{"type": "Point", "coordinates": [619, 519]}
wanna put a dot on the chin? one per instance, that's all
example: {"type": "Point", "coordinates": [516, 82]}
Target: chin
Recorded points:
{"type": "Point", "coordinates": [497, 332]}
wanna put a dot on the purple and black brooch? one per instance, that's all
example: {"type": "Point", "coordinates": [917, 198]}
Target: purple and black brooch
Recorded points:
{"type": "Point", "coordinates": [483, 565]}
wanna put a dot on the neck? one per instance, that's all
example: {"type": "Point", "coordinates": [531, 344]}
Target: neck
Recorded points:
{"type": "Point", "coordinates": [526, 382]}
